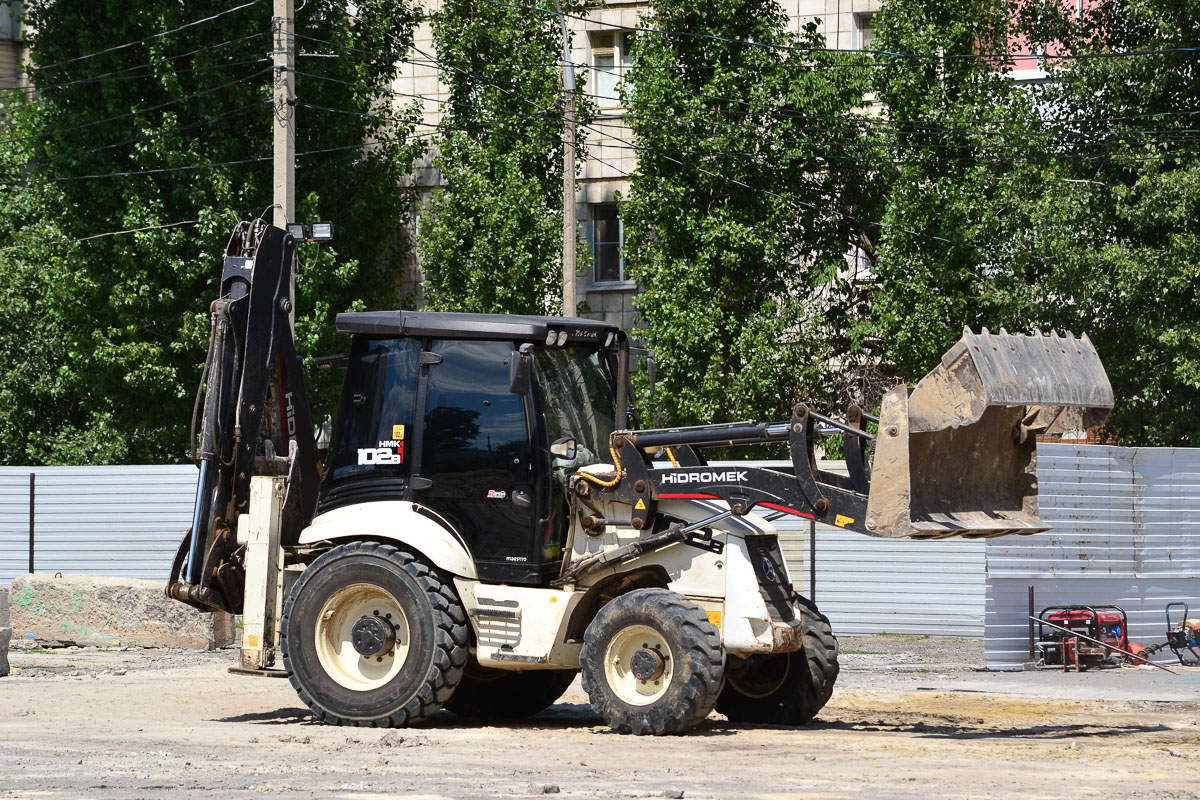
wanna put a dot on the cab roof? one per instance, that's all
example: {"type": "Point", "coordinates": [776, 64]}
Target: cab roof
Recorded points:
{"type": "Point", "coordinates": [449, 325]}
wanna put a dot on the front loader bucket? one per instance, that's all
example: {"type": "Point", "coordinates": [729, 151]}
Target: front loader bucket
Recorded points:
{"type": "Point", "coordinates": [956, 456]}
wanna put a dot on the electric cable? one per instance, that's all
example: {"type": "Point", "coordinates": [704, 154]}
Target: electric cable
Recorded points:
{"type": "Point", "coordinates": [101, 235]}
{"type": "Point", "coordinates": [148, 137]}
{"type": "Point", "coordinates": [811, 50]}
{"type": "Point", "coordinates": [889, 126]}
{"type": "Point", "coordinates": [135, 112]}
{"type": "Point", "coordinates": [113, 74]}
{"type": "Point", "coordinates": [115, 48]}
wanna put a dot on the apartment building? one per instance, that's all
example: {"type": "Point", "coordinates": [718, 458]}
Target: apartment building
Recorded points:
{"type": "Point", "coordinates": [602, 48]}
{"type": "Point", "coordinates": [12, 47]}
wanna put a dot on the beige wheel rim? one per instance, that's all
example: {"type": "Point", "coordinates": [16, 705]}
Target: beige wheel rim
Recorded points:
{"type": "Point", "coordinates": [334, 637]}
{"type": "Point", "coordinates": [618, 660]}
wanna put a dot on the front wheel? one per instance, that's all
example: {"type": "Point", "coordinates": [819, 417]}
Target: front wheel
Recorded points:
{"type": "Point", "coordinates": [784, 688]}
{"type": "Point", "coordinates": [371, 636]}
{"type": "Point", "coordinates": [652, 663]}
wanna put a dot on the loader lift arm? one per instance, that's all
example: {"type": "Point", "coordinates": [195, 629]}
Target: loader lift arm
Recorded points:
{"type": "Point", "coordinates": [255, 418]}
{"type": "Point", "coordinates": [954, 456]}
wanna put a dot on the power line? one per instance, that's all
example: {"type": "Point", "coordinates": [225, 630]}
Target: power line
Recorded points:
{"type": "Point", "coordinates": [134, 113]}
{"type": "Point", "coordinates": [886, 146]}
{"type": "Point", "coordinates": [129, 173]}
{"type": "Point", "coordinates": [811, 50]}
{"type": "Point", "coordinates": [113, 74]}
{"type": "Point", "coordinates": [101, 235]}
{"type": "Point", "coordinates": [115, 48]}
{"type": "Point", "coordinates": [148, 137]}
{"type": "Point", "coordinates": [1060, 129]}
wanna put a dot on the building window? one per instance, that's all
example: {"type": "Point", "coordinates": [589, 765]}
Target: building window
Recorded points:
{"type": "Point", "coordinates": [861, 266]}
{"type": "Point", "coordinates": [864, 31]}
{"type": "Point", "coordinates": [608, 241]}
{"type": "Point", "coordinates": [610, 62]}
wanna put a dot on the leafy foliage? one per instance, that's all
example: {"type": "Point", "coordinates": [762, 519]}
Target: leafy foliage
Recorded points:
{"type": "Point", "coordinates": [1069, 205]}
{"type": "Point", "coordinates": [104, 340]}
{"type": "Point", "coordinates": [738, 220]}
{"type": "Point", "coordinates": [491, 237]}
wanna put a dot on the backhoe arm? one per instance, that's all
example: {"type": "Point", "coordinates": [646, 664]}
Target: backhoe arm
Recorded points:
{"type": "Point", "coordinates": [255, 418]}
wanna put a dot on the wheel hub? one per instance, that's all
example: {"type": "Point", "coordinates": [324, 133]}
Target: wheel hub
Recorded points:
{"type": "Point", "coordinates": [647, 664]}
{"type": "Point", "coordinates": [373, 635]}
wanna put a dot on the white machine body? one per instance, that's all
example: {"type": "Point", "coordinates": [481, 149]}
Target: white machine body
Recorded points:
{"type": "Point", "coordinates": [522, 627]}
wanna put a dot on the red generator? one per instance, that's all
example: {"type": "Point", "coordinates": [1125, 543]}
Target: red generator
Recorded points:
{"type": "Point", "coordinates": [1107, 624]}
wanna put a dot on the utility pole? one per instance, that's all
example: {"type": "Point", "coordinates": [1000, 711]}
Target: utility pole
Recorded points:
{"type": "Point", "coordinates": [283, 29]}
{"type": "Point", "coordinates": [569, 303]}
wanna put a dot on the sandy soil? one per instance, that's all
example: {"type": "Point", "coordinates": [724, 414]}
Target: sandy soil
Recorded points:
{"type": "Point", "coordinates": [132, 724]}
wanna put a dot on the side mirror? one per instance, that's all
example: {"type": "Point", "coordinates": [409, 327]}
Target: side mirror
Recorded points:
{"type": "Point", "coordinates": [520, 369]}
{"type": "Point", "coordinates": [647, 358]}
{"type": "Point", "coordinates": [564, 448]}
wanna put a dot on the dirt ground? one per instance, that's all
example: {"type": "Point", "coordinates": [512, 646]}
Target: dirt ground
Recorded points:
{"type": "Point", "coordinates": [911, 718]}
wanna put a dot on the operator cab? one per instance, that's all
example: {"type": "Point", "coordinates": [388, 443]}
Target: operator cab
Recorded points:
{"type": "Point", "coordinates": [457, 413]}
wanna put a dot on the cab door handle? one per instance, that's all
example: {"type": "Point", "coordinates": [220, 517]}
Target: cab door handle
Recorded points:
{"type": "Point", "coordinates": [522, 498]}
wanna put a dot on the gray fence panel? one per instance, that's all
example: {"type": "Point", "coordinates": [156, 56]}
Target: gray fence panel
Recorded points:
{"type": "Point", "coordinates": [127, 521]}
{"type": "Point", "coordinates": [1126, 532]}
{"type": "Point", "coordinates": [123, 521]}
{"type": "Point", "coordinates": [868, 585]}
{"type": "Point", "coordinates": [14, 522]}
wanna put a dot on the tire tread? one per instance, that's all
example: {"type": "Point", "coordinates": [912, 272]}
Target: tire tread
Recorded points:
{"type": "Point", "coordinates": [452, 637]}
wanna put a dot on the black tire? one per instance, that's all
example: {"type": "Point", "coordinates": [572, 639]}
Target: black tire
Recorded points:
{"type": "Point", "coordinates": [784, 688]}
{"type": "Point", "coordinates": [403, 687]}
{"type": "Point", "coordinates": [505, 694]}
{"type": "Point", "coordinates": [689, 653]}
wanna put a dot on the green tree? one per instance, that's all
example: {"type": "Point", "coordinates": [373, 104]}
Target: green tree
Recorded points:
{"type": "Point", "coordinates": [1118, 207]}
{"type": "Point", "coordinates": [1072, 205]}
{"type": "Point", "coordinates": [491, 236]}
{"type": "Point", "coordinates": [176, 127]}
{"type": "Point", "coordinates": [951, 138]}
{"type": "Point", "coordinates": [742, 210]}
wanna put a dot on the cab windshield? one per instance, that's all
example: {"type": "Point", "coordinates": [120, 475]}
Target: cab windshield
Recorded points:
{"type": "Point", "coordinates": [575, 388]}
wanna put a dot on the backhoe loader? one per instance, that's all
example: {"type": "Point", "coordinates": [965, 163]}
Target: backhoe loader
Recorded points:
{"type": "Point", "coordinates": [487, 522]}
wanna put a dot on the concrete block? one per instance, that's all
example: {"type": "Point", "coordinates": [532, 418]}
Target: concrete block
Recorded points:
{"type": "Point", "coordinates": [95, 610]}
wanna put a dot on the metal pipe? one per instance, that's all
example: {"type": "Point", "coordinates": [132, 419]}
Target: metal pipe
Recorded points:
{"type": "Point", "coordinates": [1143, 659]}
{"type": "Point", "coordinates": [32, 481]}
{"type": "Point", "coordinates": [843, 426]}
{"type": "Point", "coordinates": [622, 417]}
{"type": "Point", "coordinates": [695, 526]}
{"type": "Point", "coordinates": [741, 433]}
{"type": "Point", "coordinates": [812, 560]}
{"type": "Point", "coordinates": [1032, 651]}
{"type": "Point", "coordinates": [200, 513]}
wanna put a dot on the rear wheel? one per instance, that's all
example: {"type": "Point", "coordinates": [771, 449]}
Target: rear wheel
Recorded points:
{"type": "Point", "coordinates": [505, 694]}
{"type": "Point", "coordinates": [652, 663]}
{"type": "Point", "coordinates": [784, 688]}
{"type": "Point", "coordinates": [372, 636]}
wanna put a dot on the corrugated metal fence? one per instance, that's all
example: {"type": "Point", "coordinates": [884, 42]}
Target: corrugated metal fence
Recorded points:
{"type": "Point", "coordinates": [127, 521]}
{"type": "Point", "coordinates": [871, 585]}
{"type": "Point", "coordinates": [124, 521]}
{"type": "Point", "coordinates": [1126, 532]}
